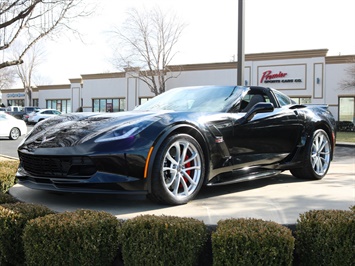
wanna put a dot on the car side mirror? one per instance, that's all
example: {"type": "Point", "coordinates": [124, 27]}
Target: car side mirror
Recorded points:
{"type": "Point", "coordinates": [258, 108]}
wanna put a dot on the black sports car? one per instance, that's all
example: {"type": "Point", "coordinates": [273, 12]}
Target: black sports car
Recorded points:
{"type": "Point", "coordinates": [178, 141]}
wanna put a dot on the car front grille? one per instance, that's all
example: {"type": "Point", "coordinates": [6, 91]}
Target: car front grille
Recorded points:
{"type": "Point", "coordinates": [57, 166]}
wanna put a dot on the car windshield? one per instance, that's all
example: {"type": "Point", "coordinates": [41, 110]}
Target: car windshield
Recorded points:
{"type": "Point", "coordinates": [195, 99]}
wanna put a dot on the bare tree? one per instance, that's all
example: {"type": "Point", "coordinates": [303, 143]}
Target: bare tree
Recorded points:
{"type": "Point", "coordinates": [7, 78]}
{"type": "Point", "coordinates": [28, 21]}
{"type": "Point", "coordinates": [25, 71]}
{"type": "Point", "coordinates": [349, 82]}
{"type": "Point", "coordinates": [146, 43]}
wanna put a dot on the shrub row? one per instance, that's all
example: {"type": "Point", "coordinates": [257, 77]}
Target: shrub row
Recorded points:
{"type": "Point", "coordinates": [34, 235]}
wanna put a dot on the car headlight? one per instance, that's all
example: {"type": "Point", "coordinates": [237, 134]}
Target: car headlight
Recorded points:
{"type": "Point", "coordinates": [126, 130]}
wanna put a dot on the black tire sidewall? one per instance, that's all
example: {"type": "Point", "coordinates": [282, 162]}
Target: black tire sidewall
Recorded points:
{"type": "Point", "coordinates": [309, 169]}
{"type": "Point", "coordinates": [14, 129]}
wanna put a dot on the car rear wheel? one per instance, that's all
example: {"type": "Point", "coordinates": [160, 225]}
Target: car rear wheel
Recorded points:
{"type": "Point", "coordinates": [318, 157]}
{"type": "Point", "coordinates": [178, 170]}
{"type": "Point", "coordinates": [14, 133]}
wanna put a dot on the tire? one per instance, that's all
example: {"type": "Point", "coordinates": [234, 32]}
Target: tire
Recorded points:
{"type": "Point", "coordinates": [175, 181]}
{"type": "Point", "coordinates": [318, 157]}
{"type": "Point", "coordinates": [14, 133]}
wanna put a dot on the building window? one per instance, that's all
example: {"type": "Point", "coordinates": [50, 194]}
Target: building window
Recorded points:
{"type": "Point", "coordinates": [302, 100]}
{"type": "Point", "coordinates": [347, 109]}
{"type": "Point", "coordinates": [17, 102]}
{"type": "Point", "coordinates": [35, 102]}
{"type": "Point", "coordinates": [144, 99]}
{"type": "Point", "coordinates": [61, 105]}
{"type": "Point", "coordinates": [108, 105]}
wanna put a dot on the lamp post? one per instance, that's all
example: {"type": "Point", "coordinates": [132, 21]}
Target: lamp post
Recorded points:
{"type": "Point", "coordinates": [241, 56]}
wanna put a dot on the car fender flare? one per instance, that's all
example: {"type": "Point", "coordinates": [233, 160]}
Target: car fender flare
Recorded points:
{"type": "Point", "coordinates": [179, 128]}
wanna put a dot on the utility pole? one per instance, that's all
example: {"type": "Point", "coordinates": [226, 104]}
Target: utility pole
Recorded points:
{"type": "Point", "coordinates": [241, 56]}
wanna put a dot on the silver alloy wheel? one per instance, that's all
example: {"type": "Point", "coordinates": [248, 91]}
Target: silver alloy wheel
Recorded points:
{"type": "Point", "coordinates": [14, 133]}
{"type": "Point", "coordinates": [181, 169]}
{"type": "Point", "coordinates": [320, 153]}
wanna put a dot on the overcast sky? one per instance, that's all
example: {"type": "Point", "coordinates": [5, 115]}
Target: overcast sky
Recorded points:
{"type": "Point", "coordinates": [211, 34]}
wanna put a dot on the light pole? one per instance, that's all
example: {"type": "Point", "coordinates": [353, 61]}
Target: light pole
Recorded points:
{"type": "Point", "coordinates": [241, 56]}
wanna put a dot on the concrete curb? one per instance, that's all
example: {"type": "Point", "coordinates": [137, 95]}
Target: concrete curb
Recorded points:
{"type": "Point", "coordinates": [345, 144]}
{"type": "Point", "coordinates": [7, 158]}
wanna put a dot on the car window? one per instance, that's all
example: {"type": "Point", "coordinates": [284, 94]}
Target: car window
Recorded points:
{"type": "Point", "coordinates": [251, 99]}
{"type": "Point", "coordinates": [282, 98]}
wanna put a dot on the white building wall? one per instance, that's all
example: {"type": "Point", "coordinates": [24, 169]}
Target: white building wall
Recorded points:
{"type": "Point", "coordinates": [203, 77]}
{"type": "Point", "coordinates": [53, 94]}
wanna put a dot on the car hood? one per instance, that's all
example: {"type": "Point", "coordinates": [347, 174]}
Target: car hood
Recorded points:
{"type": "Point", "coordinates": [73, 129]}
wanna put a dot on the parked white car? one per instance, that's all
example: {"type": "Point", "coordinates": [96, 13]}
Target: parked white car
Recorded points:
{"type": "Point", "coordinates": [11, 127]}
{"type": "Point", "coordinates": [42, 114]}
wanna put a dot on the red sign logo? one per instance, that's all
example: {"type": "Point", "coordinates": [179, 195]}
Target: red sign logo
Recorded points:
{"type": "Point", "coordinates": [268, 75]}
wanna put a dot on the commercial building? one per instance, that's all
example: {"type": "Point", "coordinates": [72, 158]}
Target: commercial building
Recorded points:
{"type": "Point", "coordinates": [308, 76]}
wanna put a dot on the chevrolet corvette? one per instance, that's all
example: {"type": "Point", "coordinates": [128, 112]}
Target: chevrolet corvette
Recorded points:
{"type": "Point", "coordinates": [179, 141]}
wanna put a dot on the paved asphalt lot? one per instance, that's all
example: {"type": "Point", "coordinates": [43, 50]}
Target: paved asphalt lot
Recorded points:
{"type": "Point", "coordinates": [280, 199]}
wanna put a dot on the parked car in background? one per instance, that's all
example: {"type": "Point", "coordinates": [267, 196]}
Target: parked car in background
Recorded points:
{"type": "Point", "coordinates": [179, 141]}
{"type": "Point", "coordinates": [11, 127]}
{"type": "Point", "coordinates": [21, 112]}
{"type": "Point", "coordinates": [27, 111]}
{"type": "Point", "coordinates": [41, 114]}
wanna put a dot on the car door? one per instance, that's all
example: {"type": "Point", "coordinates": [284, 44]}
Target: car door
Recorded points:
{"type": "Point", "coordinates": [265, 139]}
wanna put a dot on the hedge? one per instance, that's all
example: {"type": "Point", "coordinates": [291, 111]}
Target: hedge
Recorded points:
{"type": "Point", "coordinates": [83, 237]}
{"type": "Point", "coordinates": [13, 218]}
{"type": "Point", "coordinates": [326, 237]}
{"type": "Point", "coordinates": [252, 242]}
{"type": "Point", "coordinates": [162, 240]}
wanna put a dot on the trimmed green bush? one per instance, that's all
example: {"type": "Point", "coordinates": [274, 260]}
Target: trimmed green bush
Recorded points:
{"type": "Point", "coordinates": [252, 242]}
{"type": "Point", "coordinates": [7, 174]}
{"type": "Point", "coordinates": [162, 240]}
{"type": "Point", "coordinates": [13, 218]}
{"type": "Point", "coordinates": [7, 198]}
{"type": "Point", "coordinates": [83, 237]}
{"type": "Point", "coordinates": [326, 237]}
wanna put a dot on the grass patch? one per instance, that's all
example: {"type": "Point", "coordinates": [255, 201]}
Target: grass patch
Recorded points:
{"type": "Point", "coordinates": [346, 137]}
{"type": "Point", "coordinates": [7, 174]}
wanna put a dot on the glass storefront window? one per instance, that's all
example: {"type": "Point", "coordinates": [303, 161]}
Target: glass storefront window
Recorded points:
{"type": "Point", "coordinates": [347, 109]}
{"type": "Point", "coordinates": [108, 105]}
{"type": "Point", "coordinates": [144, 99]}
{"type": "Point", "coordinates": [61, 105]}
{"type": "Point", "coordinates": [302, 100]}
{"type": "Point", "coordinates": [19, 102]}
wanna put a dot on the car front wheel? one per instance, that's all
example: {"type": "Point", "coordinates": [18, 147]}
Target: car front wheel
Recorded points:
{"type": "Point", "coordinates": [178, 170]}
{"type": "Point", "coordinates": [317, 159]}
{"type": "Point", "coordinates": [14, 133]}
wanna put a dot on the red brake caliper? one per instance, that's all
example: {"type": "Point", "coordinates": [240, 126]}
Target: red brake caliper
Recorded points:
{"type": "Point", "coordinates": [187, 165]}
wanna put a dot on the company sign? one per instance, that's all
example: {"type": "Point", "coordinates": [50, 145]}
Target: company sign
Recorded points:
{"type": "Point", "coordinates": [15, 95]}
{"type": "Point", "coordinates": [283, 77]}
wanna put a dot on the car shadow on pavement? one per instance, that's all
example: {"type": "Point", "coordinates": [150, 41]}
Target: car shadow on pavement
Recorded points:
{"type": "Point", "coordinates": [129, 203]}
{"type": "Point", "coordinates": [212, 191]}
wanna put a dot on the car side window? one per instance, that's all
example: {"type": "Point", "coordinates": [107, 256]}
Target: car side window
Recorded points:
{"type": "Point", "coordinates": [283, 99]}
{"type": "Point", "coordinates": [251, 99]}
